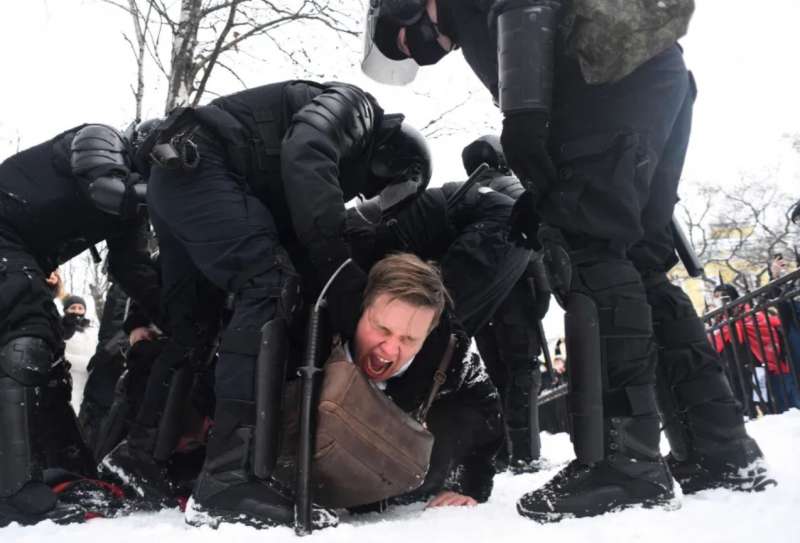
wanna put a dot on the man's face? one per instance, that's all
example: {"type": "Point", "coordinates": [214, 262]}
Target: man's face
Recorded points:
{"type": "Point", "coordinates": [389, 334]}
{"type": "Point", "coordinates": [76, 309]}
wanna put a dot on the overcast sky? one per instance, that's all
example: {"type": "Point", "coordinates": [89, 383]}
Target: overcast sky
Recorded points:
{"type": "Point", "coordinates": [64, 62]}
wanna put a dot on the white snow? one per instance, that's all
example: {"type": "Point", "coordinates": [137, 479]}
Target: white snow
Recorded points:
{"type": "Point", "coordinates": [708, 517]}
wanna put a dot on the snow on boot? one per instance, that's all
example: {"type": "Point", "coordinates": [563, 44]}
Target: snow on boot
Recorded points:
{"type": "Point", "coordinates": [131, 464]}
{"type": "Point", "coordinates": [740, 466]}
{"type": "Point", "coordinates": [36, 502]}
{"type": "Point", "coordinates": [227, 491]}
{"type": "Point", "coordinates": [97, 499]}
{"type": "Point", "coordinates": [702, 420]}
{"type": "Point", "coordinates": [631, 474]}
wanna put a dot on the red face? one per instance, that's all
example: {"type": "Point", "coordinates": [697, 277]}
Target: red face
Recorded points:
{"type": "Point", "coordinates": [389, 334]}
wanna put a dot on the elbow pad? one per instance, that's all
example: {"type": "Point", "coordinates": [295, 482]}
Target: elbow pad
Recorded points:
{"type": "Point", "coordinates": [98, 150]}
{"type": "Point", "coordinates": [526, 50]}
{"type": "Point", "coordinates": [342, 113]}
{"type": "Point", "coordinates": [112, 195]}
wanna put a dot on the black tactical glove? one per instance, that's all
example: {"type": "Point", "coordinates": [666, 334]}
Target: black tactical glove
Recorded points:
{"type": "Point", "coordinates": [524, 221]}
{"type": "Point", "coordinates": [540, 285]}
{"type": "Point", "coordinates": [525, 142]}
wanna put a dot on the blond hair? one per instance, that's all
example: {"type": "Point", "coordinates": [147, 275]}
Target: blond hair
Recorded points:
{"type": "Point", "coordinates": [405, 277]}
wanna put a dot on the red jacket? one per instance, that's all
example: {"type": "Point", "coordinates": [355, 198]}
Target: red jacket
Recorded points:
{"type": "Point", "coordinates": [768, 325]}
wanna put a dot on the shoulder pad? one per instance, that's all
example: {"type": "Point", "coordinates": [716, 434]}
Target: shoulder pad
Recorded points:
{"type": "Point", "coordinates": [343, 113]}
{"type": "Point", "coordinates": [98, 150]}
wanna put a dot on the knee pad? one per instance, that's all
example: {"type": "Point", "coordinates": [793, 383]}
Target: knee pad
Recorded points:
{"type": "Point", "coordinates": [26, 360]}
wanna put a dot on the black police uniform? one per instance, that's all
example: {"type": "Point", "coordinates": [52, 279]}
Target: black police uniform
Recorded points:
{"type": "Point", "coordinates": [618, 149]}
{"type": "Point", "coordinates": [51, 211]}
{"type": "Point", "coordinates": [486, 274]}
{"type": "Point", "coordinates": [276, 165]}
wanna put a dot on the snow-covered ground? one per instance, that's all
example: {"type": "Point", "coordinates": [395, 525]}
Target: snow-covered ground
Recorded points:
{"type": "Point", "coordinates": [708, 517]}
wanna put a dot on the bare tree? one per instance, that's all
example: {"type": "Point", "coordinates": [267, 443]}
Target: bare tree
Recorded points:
{"type": "Point", "coordinates": [207, 34]}
{"type": "Point", "coordinates": [739, 228]}
{"type": "Point", "coordinates": [84, 276]}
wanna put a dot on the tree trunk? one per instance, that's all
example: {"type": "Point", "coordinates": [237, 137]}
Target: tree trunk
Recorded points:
{"type": "Point", "coordinates": [182, 73]}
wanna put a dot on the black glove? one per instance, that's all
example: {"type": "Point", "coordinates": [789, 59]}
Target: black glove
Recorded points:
{"type": "Point", "coordinates": [540, 285]}
{"type": "Point", "coordinates": [345, 296]}
{"type": "Point", "coordinates": [525, 138]}
{"type": "Point", "coordinates": [525, 221]}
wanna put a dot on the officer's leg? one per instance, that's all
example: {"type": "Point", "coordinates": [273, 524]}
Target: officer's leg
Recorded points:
{"type": "Point", "coordinates": [510, 344]}
{"type": "Point", "coordinates": [702, 419]}
{"type": "Point", "coordinates": [231, 238]}
{"type": "Point", "coordinates": [607, 140]}
{"type": "Point", "coordinates": [105, 366]}
{"type": "Point", "coordinates": [28, 339]}
{"type": "Point", "coordinates": [140, 461]}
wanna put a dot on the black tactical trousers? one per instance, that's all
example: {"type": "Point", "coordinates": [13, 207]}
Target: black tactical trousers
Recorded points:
{"type": "Point", "coordinates": [207, 219]}
{"type": "Point", "coordinates": [510, 347]}
{"type": "Point", "coordinates": [49, 426]}
{"type": "Point", "coordinates": [619, 151]}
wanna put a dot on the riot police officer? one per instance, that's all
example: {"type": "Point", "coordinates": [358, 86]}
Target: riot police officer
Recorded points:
{"type": "Point", "coordinates": [250, 189]}
{"type": "Point", "coordinates": [57, 199]}
{"type": "Point", "coordinates": [597, 109]}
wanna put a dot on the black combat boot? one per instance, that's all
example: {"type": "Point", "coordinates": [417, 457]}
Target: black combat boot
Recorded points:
{"type": "Point", "coordinates": [614, 417]}
{"type": "Point", "coordinates": [145, 480]}
{"type": "Point", "coordinates": [632, 473]}
{"type": "Point", "coordinates": [227, 490]}
{"type": "Point", "coordinates": [24, 497]}
{"type": "Point", "coordinates": [704, 425]}
{"type": "Point", "coordinates": [522, 419]}
{"type": "Point", "coordinates": [132, 463]}
{"type": "Point", "coordinates": [702, 420]}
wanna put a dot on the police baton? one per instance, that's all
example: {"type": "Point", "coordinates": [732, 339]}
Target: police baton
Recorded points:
{"type": "Point", "coordinates": [309, 371]}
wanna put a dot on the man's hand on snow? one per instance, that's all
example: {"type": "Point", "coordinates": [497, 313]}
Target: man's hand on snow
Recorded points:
{"type": "Point", "coordinates": [448, 498]}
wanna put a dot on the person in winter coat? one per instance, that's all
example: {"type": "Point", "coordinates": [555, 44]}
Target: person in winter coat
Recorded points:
{"type": "Point", "coordinates": [597, 106]}
{"type": "Point", "coordinates": [57, 199]}
{"type": "Point", "coordinates": [400, 339]}
{"type": "Point", "coordinates": [760, 333]}
{"type": "Point", "coordinates": [80, 341]}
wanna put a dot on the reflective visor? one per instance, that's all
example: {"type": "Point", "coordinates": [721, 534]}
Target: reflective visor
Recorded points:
{"type": "Point", "coordinates": [377, 65]}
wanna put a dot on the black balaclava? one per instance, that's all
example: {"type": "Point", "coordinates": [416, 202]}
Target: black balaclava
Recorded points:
{"type": "Point", "coordinates": [422, 41]}
{"type": "Point", "coordinates": [72, 322]}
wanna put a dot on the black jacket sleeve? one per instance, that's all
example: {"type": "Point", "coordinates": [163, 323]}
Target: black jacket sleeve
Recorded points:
{"type": "Point", "coordinates": [336, 126]}
{"type": "Point", "coordinates": [130, 264]}
{"type": "Point", "coordinates": [469, 390]}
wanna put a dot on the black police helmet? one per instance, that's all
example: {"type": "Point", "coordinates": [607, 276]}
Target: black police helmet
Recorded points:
{"type": "Point", "coordinates": [144, 129]}
{"type": "Point", "coordinates": [387, 18]}
{"type": "Point", "coordinates": [138, 131]}
{"type": "Point", "coordinates": [484, 149]}
{"type": "Point", "coordinates": [401, 155]}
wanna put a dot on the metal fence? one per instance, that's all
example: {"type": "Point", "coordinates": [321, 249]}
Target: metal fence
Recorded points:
{"type": "Point", "coordinates": [758, 338]}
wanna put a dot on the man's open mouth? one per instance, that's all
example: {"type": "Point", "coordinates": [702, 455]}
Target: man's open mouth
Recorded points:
{"type": "Point", "coordinates": [377, 366]}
